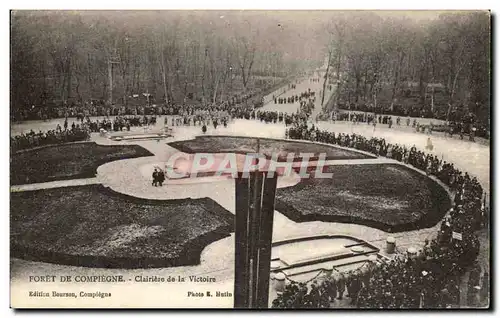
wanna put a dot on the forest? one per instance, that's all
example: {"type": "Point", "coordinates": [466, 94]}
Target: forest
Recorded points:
{"type": "Point", "coordinates": [439, 66]}
{"type": "Point", "coordinates": [63, 57]}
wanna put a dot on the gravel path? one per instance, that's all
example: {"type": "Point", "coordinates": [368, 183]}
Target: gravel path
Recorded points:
{"type": "Point", "coordinates": [54, 184]}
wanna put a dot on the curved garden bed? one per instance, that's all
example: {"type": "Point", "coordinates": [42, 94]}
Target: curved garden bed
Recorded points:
{"type": "Point", "coordinates": [388, 197]}
{"type": "Point", "coordinates": [67, 161]}
{"type": "Point", "coordinates": [244, 145]}
{"type": "Point", "coordinates": [94, 226]}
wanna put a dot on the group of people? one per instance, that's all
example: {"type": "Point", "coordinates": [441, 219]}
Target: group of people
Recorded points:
{"type": "Point", "coordinates": [452, 128]}
{"type": "Point", "coordinates": [271, 116]}
{"type": "Point", "coordinates": [77, 131]}
{"type": "Point", "coordinates": [97, 108]}
{"type": "Point", "coordinates": [158, 177]}
{"type": "Point", "coordinates": [459, 123]}
{"type": "Point", "coordinates": [395, 110]}
{"type": "Point", "coordinates": [280, 117]}
{"type": "Point", "coordinates": [286, 100]}
{"type": "Point", "coordinates": [128, 121]}
{"type": "Point", "coordinates": [303, 97]}
{"type": "Point", "coordinates": [222, 114]}
{"type": "Point", "coordinates": [324, 294]}
{"type": "Point", "coordinates": [119, 123]}
{"type": "Point", "coordinates": [202, 117]}
{"type": "Point", "coordinates": [372, 118]}
{"type": "Point", "coordinates": [432, 278]}
{"type": "Point", "coordinates": [50, 137]}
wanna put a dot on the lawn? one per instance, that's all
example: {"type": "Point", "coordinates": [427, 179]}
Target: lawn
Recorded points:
{"type": "Point", "coordinates": [67, 161]}
{"type": "Point", "coordinates": [93, 226]}
{"type": "Point", "coordinates": [243, 145]}
{"type": "Point", "coordinates": [389, 197]}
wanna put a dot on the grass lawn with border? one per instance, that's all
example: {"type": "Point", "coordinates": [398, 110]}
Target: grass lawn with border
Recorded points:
{"type": "Point", "coordinates": [244, 145]}
{"type": "Point", "coordinates": [94, 226]}
{"type": "Point", "coordinates": [389, 197]}
{"type": "Point", "coordinates": [67, 161]}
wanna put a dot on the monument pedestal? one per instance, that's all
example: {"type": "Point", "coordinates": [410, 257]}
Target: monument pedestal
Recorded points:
{"type": "Point", "coordinates": [254, 230]}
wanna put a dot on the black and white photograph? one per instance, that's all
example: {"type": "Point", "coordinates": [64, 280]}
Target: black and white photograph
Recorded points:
{"type": "Point", "coordinates": [250, 159]}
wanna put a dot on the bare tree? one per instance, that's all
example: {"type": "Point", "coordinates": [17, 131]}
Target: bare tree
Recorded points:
{"type": "Point", "coordinates": [57, 55]}
{"type": "Point", "coordinates": [245, 49]}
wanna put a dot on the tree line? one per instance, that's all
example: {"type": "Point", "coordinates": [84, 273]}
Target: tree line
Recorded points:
{"type": "Point", "coordinates": [64, 57]}
{"type": "Point", "coordinates": [440, 65]}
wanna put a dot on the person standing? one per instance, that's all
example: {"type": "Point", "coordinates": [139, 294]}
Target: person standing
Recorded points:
{"type": "Point", "coordinates": [454, 288]}
{"type": "Point", "coordinates": [473, 285]}
{"type": "Point", "coordinates": [355, 288]}
{"type": "Point", "coordinates": [161, 177]}
{"type": "Point", "coordinates": [485, 288]}
{"type": "Point", "coordinates": [155, 178]}
{"type": "Point", "coordinates": [472, 133]}
{"type": "Point", "coordinates": [340, 286]}
{"type": "Point", "coordinates": [445, 299]}
{"type": "Point", "coordinates": [429, 146]}
{"type": "Point", "coordinates": [332, 290]}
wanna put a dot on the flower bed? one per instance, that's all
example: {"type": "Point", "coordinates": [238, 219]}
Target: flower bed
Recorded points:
{"type": "Point", "coordinates": [243, 145]}
{"type": "Point", "coordinates": [389, 197]}
{"type": "Point", "coordinates": [67, 161]}
{"type": "Point", "coordinates": [96, 227]}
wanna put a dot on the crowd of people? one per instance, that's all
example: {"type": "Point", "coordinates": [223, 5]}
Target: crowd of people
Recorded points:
{"type": "Point", "coordinates": [237, 106]}
{"type": "Point", "coordinates": [303, 97]}
{"type": "Point", "coordinates": [78, 131]}
{"type": "Point", "coordinates": [45, 113]}
{"type": "Point", "coordinates": [97, 108]}
{"type": "Point", "coordinates": [197, 116]}
{"type": "Point", "coordinates": [432, 278]}
{"type": "Point", "coordinates": [368, 118]}
{"type": "Point", "coordinates": [459, 128]}
{"type": "Point", "coordinates": [374, 119]}
{"type": "Point", "coordinates": [216, 118]}
{"type": "Point", "coordinates": [458, 123]}
{"type": "Point", "coordinates": [119, 123]}
{"type": "Point", "coordinates": [51, 137]}
{"type": "Point", "coordinates": [222, 113]}
{"type": "Point", "coordinates": [394, 111]}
